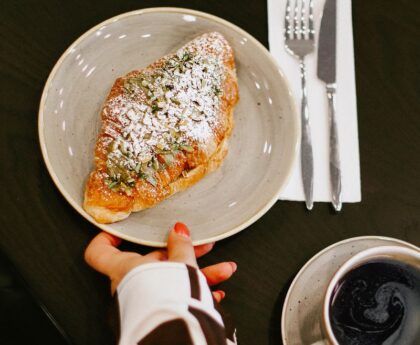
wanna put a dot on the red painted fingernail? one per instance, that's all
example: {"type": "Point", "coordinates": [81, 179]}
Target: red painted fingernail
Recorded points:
{"type": "Point", "coordinates": [221, 293]}
{"type": "Point", "coordinates": [115, 241]}
{"type": "Point", "coordinates": [182, 229]}
{"type": "Point", "coordinates": [234, 266]}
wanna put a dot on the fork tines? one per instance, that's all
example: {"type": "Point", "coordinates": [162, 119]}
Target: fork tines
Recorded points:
{"type": "Point", "coordinates": [297, 23]}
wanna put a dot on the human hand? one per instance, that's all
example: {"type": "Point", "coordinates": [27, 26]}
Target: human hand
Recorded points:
{"type": "Point", "coordinates": [103, 255]}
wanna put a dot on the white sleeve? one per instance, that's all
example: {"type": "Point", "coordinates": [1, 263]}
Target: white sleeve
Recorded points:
{"type": "Point", "coordinates": [169, 303]}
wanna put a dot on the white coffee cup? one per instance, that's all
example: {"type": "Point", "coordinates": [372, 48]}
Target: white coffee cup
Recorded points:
{"type": "Point", "coordinates": [406, 255]}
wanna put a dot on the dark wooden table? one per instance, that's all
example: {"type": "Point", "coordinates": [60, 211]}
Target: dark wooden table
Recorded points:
{"type": "Point", "coordinates": [44, 237]}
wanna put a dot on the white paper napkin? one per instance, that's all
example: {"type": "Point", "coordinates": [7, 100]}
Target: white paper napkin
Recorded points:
{"type": "Point", "coordinates": [318, 107]}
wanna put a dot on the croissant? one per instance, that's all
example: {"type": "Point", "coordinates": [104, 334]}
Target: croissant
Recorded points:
{"type": "Point", "coordinates": [163, 128]}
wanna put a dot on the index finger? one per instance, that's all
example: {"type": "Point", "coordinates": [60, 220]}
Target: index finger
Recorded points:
{"type": "Point", "coordinates": [101, 253]}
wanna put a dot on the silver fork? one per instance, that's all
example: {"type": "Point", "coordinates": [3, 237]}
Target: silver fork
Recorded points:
{"type": "Point", "coordinates": [299, 41]}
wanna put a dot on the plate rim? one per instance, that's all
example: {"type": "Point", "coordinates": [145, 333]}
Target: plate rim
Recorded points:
{"type": "Point", "coordinates": [180, 10]}
{"type": "Point", "coordinates": [321, 252]}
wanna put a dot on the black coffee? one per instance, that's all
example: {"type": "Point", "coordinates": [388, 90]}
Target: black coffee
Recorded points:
{"type": "Point", "coordinates": [377, 303]}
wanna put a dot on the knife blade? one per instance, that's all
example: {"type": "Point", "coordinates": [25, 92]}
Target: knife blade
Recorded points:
{"type": "Point", "coordinates": [327, 44]}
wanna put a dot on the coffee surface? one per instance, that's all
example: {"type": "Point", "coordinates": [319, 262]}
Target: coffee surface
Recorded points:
{"type": "Point", "coordinates": [377, 303]}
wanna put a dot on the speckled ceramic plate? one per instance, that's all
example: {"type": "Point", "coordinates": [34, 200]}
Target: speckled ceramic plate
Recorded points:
{"type": "Point", "coordinates": [302, 308]}
{"type": "Point", "coordinates": [262, 149]}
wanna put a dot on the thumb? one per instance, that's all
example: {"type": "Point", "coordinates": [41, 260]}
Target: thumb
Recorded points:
{"type": "Point", "coordinates": [180, 248]}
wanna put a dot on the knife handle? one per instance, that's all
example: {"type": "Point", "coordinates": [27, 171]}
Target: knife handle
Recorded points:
{"type": "Point", "coordinates": [335, 166]}
{"type": "Point", "coordinates": [306, 155]}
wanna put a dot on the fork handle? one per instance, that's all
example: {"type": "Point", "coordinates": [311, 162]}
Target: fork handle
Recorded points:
{"type": "Point", "coordinates": [306, 155]}
{"type": "Point", "coordinates": [335, 165]}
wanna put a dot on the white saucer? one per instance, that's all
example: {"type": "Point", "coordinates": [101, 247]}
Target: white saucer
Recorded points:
{"type": "Point", "coordinates": [300, 321]}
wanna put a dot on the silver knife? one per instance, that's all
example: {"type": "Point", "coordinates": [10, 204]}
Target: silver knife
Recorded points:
{"type": "Point", "coordinates": [327, 73]}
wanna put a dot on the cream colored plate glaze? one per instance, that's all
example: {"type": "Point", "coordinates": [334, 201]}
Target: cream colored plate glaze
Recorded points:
{"type": "Point", "coordinates": [262, 149]}
{"type": "Point", "coordinates": [302, 308]}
